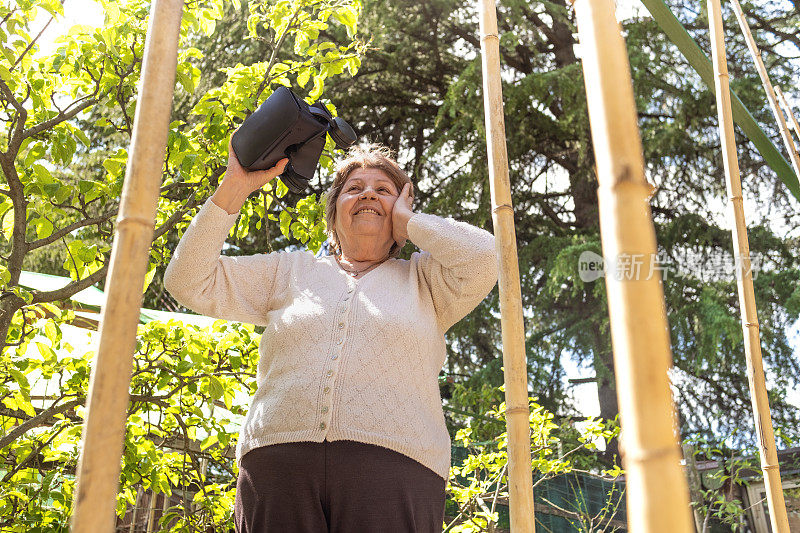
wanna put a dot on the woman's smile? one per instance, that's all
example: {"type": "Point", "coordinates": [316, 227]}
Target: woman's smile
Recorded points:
{"type": "Point", "coordinates": [363, 212]}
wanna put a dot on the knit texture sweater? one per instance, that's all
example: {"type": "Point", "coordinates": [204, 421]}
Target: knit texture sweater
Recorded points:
{"type": "Point", "coordinates": [342, 358]}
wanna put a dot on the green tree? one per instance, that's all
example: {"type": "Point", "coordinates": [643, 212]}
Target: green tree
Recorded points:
{"type": "Point", "coordinates": [419, 91]}
{"type": "Point", "coordinates": [65, 127]}
{"type": "Point", "coordinates": [479, 481]}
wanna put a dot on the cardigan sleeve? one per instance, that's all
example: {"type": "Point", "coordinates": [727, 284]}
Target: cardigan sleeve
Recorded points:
{"type": "Point", "coordinates": [232, 288]}
{"type": "Point", "coordinates": [458, 262]}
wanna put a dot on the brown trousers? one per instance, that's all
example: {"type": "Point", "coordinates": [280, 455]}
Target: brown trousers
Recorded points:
{"type": "Point", "coordinates": [336, 487]}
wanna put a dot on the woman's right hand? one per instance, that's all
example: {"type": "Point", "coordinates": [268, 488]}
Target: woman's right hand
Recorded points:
{"type": "Point", "coordinates": [251, 180]}
{"type": "Point", "coordinates": [239, 183]}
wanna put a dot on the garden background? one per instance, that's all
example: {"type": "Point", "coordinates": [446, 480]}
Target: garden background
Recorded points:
{"type": "Point", "coordinates": [405, 74]}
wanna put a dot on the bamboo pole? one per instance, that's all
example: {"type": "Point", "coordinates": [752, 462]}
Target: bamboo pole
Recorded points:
{"type": "Point", "coordinates": [693, 477]}
{"type": "Point", "coordinates": [520, 478]}
{"type": "Point", "coordinates": [135, 511]}
{"type": "Point", "coordinates": [151, 516]}
{"type": "Point", "coordinates": [762, 72]}
{"type": "Point", "coordinates": [678, 35]}
{"type": "Point", "coordinates": [747, 305]}
{"type": "Point", "coordinates": [789, 113]}
{"type": "Point", "coordinates": [104, 427]}
{"type": "Point", "coordinates": [657, 492]}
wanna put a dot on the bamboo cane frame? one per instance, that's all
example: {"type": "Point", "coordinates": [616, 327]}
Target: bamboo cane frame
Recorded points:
{"type": "Point", "coordinates": [789, 113]}
{"type": "Point", "coordinates": [698, 60]}
{"type": "Point", "coordinates": [762, 72]}
{"type": "Point", "coordinates": [104, 427]}
{"type": "Point", "coordinates": [694, 484]}
{"type": "Point", "coordinates": [747, 304]}
{"type": "Point", "coordinates": [515, 367]}
{"type": "Point", "coordinates": [657, 491]}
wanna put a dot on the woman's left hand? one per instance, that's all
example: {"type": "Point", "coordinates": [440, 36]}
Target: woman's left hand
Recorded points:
{"type": "Point", "coordinates": [401, 214]}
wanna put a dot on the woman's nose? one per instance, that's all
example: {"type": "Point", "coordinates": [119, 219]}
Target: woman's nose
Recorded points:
{"type": "Point", "coordinates": [367, 193]}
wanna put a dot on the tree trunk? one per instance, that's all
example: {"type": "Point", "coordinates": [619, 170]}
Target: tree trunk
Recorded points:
{"type": "Point", "coordinates": [10, 303]}
{"type": "Point", "coordinates": [606, 392]}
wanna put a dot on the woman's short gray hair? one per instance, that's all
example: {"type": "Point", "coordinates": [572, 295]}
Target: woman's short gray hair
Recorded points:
{"type": "Point", "coordinates": [364, 156]}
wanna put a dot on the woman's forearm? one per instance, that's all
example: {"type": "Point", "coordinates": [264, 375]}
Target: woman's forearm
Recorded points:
{"type": "Point", "coordinates": [230, 196]}
{"type": "Point", "coordinates": [234, 288]}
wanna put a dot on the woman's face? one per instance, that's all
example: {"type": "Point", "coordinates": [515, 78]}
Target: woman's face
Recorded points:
{"type": "Point", "coordinates": [364, 208]}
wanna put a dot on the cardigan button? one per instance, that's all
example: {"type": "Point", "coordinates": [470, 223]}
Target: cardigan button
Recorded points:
{"type": "Point", "coordinates": [326, 390]}
{"type": "Point", "coordinates": [335, 356]}
{"type": "Point", "coordinates": [322, 425]}
{"type": "Point", "coordinates": [329, 373]}
{"type": "Point", "coordinates": [324, 409]}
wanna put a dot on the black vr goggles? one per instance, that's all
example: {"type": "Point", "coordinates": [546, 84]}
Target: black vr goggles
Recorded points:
{"type": "Point", "coordinates": [286, 126]}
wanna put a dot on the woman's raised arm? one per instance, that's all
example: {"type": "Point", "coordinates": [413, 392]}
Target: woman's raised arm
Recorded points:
{"type": "Point", "coordinates": [458, 261]}
{"type": "Point", "coordinates": [233, 288]}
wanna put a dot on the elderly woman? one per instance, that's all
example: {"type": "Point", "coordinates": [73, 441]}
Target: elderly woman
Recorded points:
{"type": "Point", "coordinates": [345, 432]}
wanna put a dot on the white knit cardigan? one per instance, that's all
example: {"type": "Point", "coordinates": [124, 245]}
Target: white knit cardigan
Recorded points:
{"type": "Point", "coordinates": [342, 358]}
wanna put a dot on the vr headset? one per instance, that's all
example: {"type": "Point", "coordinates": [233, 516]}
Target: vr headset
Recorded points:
{"type": "Point", "coordinates": [286, 126]}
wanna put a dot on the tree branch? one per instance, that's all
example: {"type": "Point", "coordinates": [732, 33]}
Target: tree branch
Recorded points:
{"type": "Point", "coordinates": [33, 41]}
{"type": "Point", "coordinates": [274, 55]}
{"type": "Point", "coordinates": [72, 288]}
{"type": "Point", "coordinates": [191, 203]}
{"type": "Point", "coordinates": [61, 117]}
{"type": "Point", "coordinates": [41, 419]}
{"type": "Point", "coordinates": [68, 229]}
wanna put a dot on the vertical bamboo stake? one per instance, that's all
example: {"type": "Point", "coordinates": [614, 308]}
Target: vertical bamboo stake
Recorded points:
{"type": "Point", "coordinates": [520, 478]}
{"type": "Point", "coordinates": [657, 492]}
{"type": "Point", "coordinates": [104, 427]}
{"type": "Point", "coordinates": [762, 72]}
{"type": "Point", "coordinates": [694, 485]}
{"type": "Point", "coordinates": [151, 516]}
{"type": "Point", "coordinates": [789, 113]}
{"type": "Point", "coordinates": [747, 305]}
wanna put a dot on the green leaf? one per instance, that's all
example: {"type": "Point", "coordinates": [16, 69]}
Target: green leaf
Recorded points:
{"type": "Point", "coordinates": [8, 223]}
{"type": "Point", "coordinates": [348, 16]}
{"type": "Point", "coordinates": [148, 278]}
{"type": "Point", "coordinates": [19, 377]}
{"type": "Point", "coordinates": [188, 78]}
{"type": "Point", "coordinates": [285, 222]}
{"type": "Point", "coordinates": [5, 275]}
{"type": "Point", "coordinates": [215, 388]}
{"type": "Point", "coordinates": [24, 404]}
{"type": "Point", "coordinates": [42, 174]}
{"type": "Point", "coordinates": [44, 228]}
{"type": "Point", "coordinates": [81, 136]}
{"type": "Point", "coordinates": [62, 194]}
{"type": "Point", "coordinates": [209, 441]}
{"type": "Point", "coordinates": [46, 352]}
{"type": "Point", "coordinates": [36, 152]}
{"type": "Point", "coordinates": [252, 25]}
{"type": "Point", "coordinates": [280, 189]}
{"type": "Point", "coordinates": [114, 167]}
{"type": "Point", "coordinates": [85, 253]}
{"type": "Point", "coordinates": [52, 332]}
{"type": "Point", "coordinates": [316, 92]}
{"type": "Point", "coordinates": [303, 77]}
{"type": "Point", "coordinates": [85, 186]}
